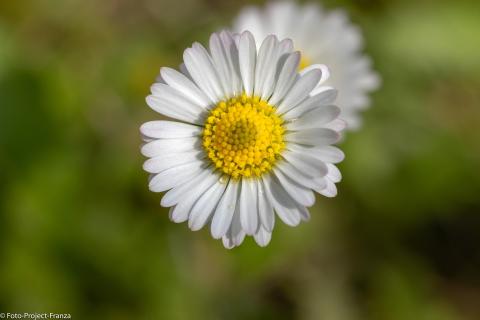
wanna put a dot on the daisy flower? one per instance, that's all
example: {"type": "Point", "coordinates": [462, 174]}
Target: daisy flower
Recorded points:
{"type": "Point", "coordinates": [249, 137]}
{"type": "Point", "coordinates": [322, 37]}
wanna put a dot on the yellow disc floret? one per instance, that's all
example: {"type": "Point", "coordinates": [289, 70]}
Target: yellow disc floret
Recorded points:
{"type": "Point", "coordinates": [243, 136]}
{"type": "Point", "coordinates": [304, 62]}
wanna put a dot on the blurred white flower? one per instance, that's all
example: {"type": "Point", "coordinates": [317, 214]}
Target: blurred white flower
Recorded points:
{"type": "Point", "coordinates": [250, 137]}
{"type": "Point", "coordinates": [322, 37]}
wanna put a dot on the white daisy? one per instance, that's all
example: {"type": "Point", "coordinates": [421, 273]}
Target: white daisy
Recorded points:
{"type": "Point", "coordinates": [322, 37]}
{"type": "Point", "coordinates": [250, 137]}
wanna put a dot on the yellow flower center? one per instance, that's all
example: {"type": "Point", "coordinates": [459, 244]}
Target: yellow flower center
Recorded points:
{"type": "Point", "coordinates": [243, 136]}
{"type": "Point", "coordinates": [304, 62]}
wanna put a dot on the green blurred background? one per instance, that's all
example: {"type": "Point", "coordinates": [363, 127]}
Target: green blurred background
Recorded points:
{"type": "Point", "coordinates": [80, 232]}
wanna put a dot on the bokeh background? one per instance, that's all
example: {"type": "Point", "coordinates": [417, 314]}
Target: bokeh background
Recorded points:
{"type": "Point", "coordinates": [80, 232]}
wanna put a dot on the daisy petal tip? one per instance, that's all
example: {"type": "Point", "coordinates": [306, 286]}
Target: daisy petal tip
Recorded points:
{"type": "Point", "coordinates": [216, 234]}
{"type": "Point", "coordinates": [227, 243]}
{"type": "Point", "coordinates": [325, 73]}
{"type": "Point", "coordinates": [217, 231]}
{"type": "Point", "coordinates": [329, 195]}
{"type": "Point", "coordinates": [288, 43]}
{"type": "Point", "coordinates": [194, 227]}
{"type": "Point", "coordinates": [321, 71]}
{"type": "Point", "coordinates": [271, 37]}
{"type": "Point", "coordinates": [306, 219]}
{"type": "Point", "coordinates": [165, 71]}
{"type": "Point", "coordinates": [149, 100]}
{"type": "Point", "coordinates": [263, 238]}
{"type": "Point", "coordinates": [247, 34]}
{"type": "Point", "coordinates": [164, 203]}
{"type": "Point", "coordinates": [330, 191]}
{"type": "Point", "coordinates": [147, 131]}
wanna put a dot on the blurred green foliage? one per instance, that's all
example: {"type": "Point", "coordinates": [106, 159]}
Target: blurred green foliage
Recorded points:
{"type": "Point", "coordinates": [81, 233]}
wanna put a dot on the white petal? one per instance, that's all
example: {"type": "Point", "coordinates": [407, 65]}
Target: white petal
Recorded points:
{"type": "Point", "coordinates": [247, 55]}
{"type": "Point", "coordinates": [200, 183]}
{"type": "Point", "coordinates": [299, 177]}
{"type": "Point", "coordinates": [209, 70]}
{"type": "Point", "coordinates": [183, 69]}
{"type": "Point", "coordinates": [205, 206]}
{"type": "Point", "coordinates": [352, 119]}
{"type": "Point", "coordinates": [235, 234]}
{"type": "Point", "coordinates": [322, 89]}
{"type": "Point", "coordinates": [262, 237]}
{"type": "Point", "coordinates": [326, 97]}
{"type": "Point", "coordinates": [248, 206]}
{"type": "Point", "coordinates": [266, 67]}
{"type": "Point", "coordinates": [285, 207]}
{"type": "Point", "coordinates": [221, 63]}
{"type": "Point", "coordinates": [323, 69]}
{"type": "Point", "coordinates": [178, 215]}
{"type": "Point", "coordinates": [285, 46]}
{"type": "Point", "coordinates": [167, 161]}
{"type": "Point", "coordinates": [337, 125]}
{"type": "Point", "coordinates": [182, 209]}
{"type": "Point", "coordinates": [300, 194]}
{"type": "Point", "coordinates": [231, 53]}
{"type": "Point", "coordinates": [300, 90]}
{"type": "Point", "coordinates": [286, 78]}
{"type": "Point", "coordinates": [333, 173]}
{"type": "Point", "coordinates": [175, 176]}
{"type": "Point", "coordinates": [314, 118]}
{"type": "Point", "coordinates": [170, 213]}
{"type": "Point", "coordinates": [304, 214]}
{"type": "Point", "coordinates": [224, 213]}
{"type": "Point", "coordinates": [330, 190]}
{"type": "Point", "coordinates": [306, 164]}
{"type": "Point", "coordinates": [184, 85]}
{"type": "Point", "coordinates": [265, 208]}
{"type": "Point", "coordinates": [169, 129]}
{"type": "Point", "coordinates": [251, 19]}
{"type": "Point", "coordinates": [174, 105]}
{"type": "Point", "coordinates": [326, 153]}
{"type": "Point", "coordinates": [165, 146]}
{"type": "Point", "coordinates": [202, 71]}
{"type": "Point", "coordinates": [370, 81]}
{"type": "Point", "coordinates": [320, 184]}
{"type": "Point", "coordinates": [313, 137]}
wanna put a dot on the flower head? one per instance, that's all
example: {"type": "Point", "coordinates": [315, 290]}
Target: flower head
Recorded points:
{"type": "Point", "coordinates": [322, 37]}
{"type": "Point", "coordinates": [250, 137]}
